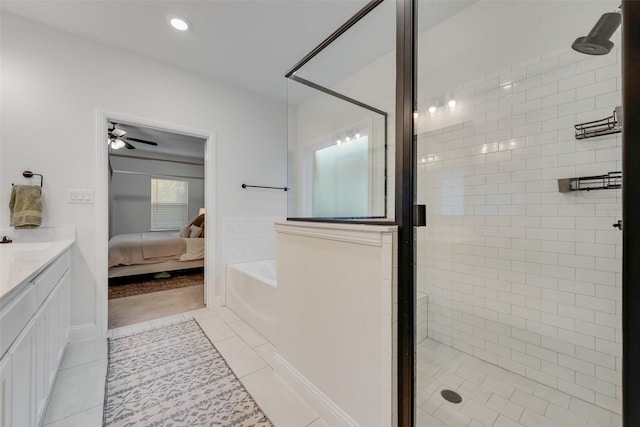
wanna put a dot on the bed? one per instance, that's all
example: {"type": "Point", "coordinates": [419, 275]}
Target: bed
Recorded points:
{"type": "Point", "coordinates": [153, 252]}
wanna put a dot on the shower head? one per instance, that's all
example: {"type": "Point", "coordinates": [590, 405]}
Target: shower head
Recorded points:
{"type": "Point", "coordinates": [597, 42]}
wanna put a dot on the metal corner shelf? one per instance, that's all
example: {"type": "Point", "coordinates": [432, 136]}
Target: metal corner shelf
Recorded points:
{"type": "Point", "coordinates": [610, 181]}
{"type": "Point", "coordinates": [607, 126]}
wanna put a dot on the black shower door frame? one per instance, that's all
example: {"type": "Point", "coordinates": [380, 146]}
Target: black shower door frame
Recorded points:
{"type": "Point", "coordinates": [630, 213]}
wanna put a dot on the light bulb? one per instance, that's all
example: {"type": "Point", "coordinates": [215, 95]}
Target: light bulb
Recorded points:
{"type": "Point", "coordinates": [452, 104]}
{"type": "Point", "coordinates": [432, 110]}
{"type": "Point", "coordinates": [357, 135]}
{"type": "Point", "coordinates": [347, 139]}
{"type": "Point", "coordinates": [117, 144]}
{"type": "Point", "coordinates": [179, 24]}
{"type": "Point", "coordinates": [415, 115]}
{"type": "Point", "coordinates": [338, 142]}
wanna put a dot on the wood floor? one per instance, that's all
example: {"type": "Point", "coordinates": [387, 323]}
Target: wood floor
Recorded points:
{"type": "Point", "coordinates": [140, 308]}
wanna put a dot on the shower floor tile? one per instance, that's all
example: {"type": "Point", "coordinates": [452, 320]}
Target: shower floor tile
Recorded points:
{"type": "Point", "coordinates": [492, 396]}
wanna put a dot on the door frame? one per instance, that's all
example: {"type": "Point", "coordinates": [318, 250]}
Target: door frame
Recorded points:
{"type": "Point", "coordinates": [102, 207]}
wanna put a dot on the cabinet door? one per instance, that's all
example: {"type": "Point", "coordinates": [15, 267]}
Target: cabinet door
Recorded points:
{"type": "Point", "coordinates": [5, 391]}
{"type": "Point", "coordinates": [50, 341]}
{"type": "Point", "coordinates": [62, 316]}
{"type": "Point", "coordinates": [23, 369]}
{"type": "Point", "coordinates": [43, 355]}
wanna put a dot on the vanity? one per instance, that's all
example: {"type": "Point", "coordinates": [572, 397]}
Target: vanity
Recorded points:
{"type": "Point", "coordinates": [34, 322]}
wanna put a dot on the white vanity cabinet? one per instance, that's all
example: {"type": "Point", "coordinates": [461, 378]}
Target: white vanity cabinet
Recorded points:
{"type": "Point", "coordinates": [5, 391]}
{"type": "Point", "coordinates": [34, 329]}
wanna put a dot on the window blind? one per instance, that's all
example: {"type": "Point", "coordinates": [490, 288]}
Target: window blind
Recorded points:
{"type": "Point", "coordinates": [169, 204]}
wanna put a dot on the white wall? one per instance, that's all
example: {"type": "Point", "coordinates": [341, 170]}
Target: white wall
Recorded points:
{"type": "Point", "coordinates": [131, 193]}
{"type": "Point", "coordinates": [249, 239]}
{"type": "Point", "coordinates": [337, 319]}
{"type": "Point", "coordinates": [53, 86]}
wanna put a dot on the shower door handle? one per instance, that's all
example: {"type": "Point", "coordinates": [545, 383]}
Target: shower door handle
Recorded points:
{"type": "Point", "coordinates": [419, 215]}
{"type": "Point", "coordinates": [618, 225]}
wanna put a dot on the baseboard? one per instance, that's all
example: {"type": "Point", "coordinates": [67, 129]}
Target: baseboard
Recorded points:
{"type": "Point", "coordinates": [331, 413]}
{"type": "Point", "coordinates": [83, 332]}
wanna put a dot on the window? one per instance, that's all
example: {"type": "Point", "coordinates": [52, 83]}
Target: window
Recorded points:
{"type": "Point", "coordinates": [341, 179]}
{"type": "Point", "coordinates": [169, 203]}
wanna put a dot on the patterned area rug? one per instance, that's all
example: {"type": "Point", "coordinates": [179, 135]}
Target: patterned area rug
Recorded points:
{"type": "Point", "coordinates": [120, 287]}
{"type": "Point", "coordinates": [174, 376]}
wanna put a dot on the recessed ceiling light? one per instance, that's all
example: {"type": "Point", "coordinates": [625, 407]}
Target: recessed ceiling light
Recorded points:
{"type": "Point", "coordinates": [179, 23]}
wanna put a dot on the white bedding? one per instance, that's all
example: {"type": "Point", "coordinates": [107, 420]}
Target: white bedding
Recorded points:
{"type": "Point", "coordinates": [151, 248]}
{"type": "Point", "coordinates": [195, 249]}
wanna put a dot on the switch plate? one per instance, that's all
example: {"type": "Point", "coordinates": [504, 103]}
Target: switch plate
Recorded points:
{"type": "Point", "coordinates": [79, 195]}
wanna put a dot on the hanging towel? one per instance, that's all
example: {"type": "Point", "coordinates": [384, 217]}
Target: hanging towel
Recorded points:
{"type": "Point", "coordinates": [25, 206]}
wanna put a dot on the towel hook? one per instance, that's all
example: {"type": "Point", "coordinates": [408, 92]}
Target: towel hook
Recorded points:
{"type": "Point", "coordinates": [29, 174]}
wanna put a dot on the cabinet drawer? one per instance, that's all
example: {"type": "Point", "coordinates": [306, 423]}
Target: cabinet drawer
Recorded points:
{"type": "Point", "coordinates": [15, 316]}
{"type": "Point", "coordinates": [46, 280]}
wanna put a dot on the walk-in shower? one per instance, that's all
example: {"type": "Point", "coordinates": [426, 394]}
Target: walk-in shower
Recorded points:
{"type": "Point", "coordinates": [516, 308]}
{"type": "Point", "coordinates": [518, 292]}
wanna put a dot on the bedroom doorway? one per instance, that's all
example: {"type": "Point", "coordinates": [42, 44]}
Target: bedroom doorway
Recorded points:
{"type": "Point", "coordinates": [156, 222]}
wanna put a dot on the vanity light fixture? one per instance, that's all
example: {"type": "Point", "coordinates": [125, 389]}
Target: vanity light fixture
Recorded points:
{"type": "Point", "coordinates": [180, 24]}
{"type": "Point", "coordinates": [350, 136]}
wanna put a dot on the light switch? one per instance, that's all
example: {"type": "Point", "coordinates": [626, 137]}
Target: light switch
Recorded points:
{"type": "Point", "coordinates": [79, 195]}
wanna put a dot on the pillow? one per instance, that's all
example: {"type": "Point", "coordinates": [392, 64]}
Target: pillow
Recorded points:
{"type": "Point", "coordinates": [185, 231]}
{"type": "Point", "coordinates": [194, 231]}
{"type": "Point", "coordinates": [198, 221]}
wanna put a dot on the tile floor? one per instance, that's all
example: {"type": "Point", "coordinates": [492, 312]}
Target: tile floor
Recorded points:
{"type": "Point", "coordinates": [492, 396]}
{"type": "Point", "coordinates": [78, 393]}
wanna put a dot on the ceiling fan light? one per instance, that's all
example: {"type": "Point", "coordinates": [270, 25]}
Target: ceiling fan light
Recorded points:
{"type": "Point", "coordinates": [117, 144]}
{"type": "Point", "coordinates": [118, 132]}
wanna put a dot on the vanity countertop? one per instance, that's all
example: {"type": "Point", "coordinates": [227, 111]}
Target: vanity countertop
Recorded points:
{"type": "Point", "coordinates": [21, 262]}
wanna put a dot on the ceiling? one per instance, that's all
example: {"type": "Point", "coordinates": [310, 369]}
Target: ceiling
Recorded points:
{"type": "Point", "coordinates": [170, 145]}
{"type": "Point", "coordinates": [246, 43]}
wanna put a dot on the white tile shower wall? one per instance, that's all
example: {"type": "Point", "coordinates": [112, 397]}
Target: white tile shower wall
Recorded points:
{"type": "Point", "coordinates": [249, 239]}
{"type": "Point", "coordinates": [517, 273]}
{"type": "Point", "coordinates": [422, 309]}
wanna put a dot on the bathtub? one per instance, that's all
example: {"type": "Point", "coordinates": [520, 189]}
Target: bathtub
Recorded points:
{"type": "Point", "coordinates": [251, 294]}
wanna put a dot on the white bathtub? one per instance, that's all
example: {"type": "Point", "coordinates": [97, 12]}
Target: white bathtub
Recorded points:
{"type": "Point", "coordinates": [251, 294]}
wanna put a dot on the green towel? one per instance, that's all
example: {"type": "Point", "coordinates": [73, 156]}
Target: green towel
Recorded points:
{"type": "Point", "coordinates": [25, 206]}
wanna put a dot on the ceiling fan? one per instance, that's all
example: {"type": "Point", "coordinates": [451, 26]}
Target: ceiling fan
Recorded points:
{"type": "Point", "coordinates": [118, 138]}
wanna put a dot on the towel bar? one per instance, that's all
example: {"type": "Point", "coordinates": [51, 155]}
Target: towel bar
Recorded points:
{"type": "Point", "coordinates": [262, 186]}
{"type": "Point", "coordinates": [29, 174]}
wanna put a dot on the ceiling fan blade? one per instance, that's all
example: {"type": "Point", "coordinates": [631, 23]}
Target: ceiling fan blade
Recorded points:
{"type": "Point", "coordinates": [129, 138]}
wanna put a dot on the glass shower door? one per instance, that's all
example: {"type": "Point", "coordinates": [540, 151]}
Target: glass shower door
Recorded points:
{"type": "Point", "coordinates": [518, 278]}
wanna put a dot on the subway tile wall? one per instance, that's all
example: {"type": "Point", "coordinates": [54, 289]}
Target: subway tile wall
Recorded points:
{"type": "Point", "coordinates": [515, 272]}
{"type": "Point", "coordinates": [249, 239]}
